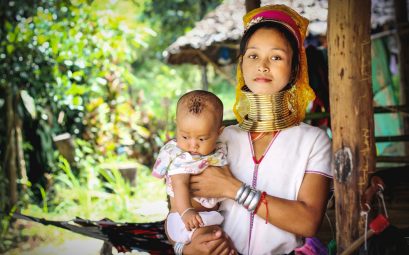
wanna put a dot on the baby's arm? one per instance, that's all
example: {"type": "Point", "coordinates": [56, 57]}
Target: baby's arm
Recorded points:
{"type": "Point", "coordinates": [181, 184]}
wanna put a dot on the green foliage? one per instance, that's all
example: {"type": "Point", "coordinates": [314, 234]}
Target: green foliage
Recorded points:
{"type": "Point", "coordinates": [62, 57]}
{"type": "Point", "coordinates": [93, 69]}
{"type": "Point", "coordinates": [99, 192]}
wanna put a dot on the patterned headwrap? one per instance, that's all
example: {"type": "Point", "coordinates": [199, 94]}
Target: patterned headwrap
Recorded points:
{"type": "Point", "coordinates": [297, 25]}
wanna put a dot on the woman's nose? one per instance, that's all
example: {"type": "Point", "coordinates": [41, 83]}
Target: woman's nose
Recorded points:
{"type": "Point", "coordinates": [263, 68]}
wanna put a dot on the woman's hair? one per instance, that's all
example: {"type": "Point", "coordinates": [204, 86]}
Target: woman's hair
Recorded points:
{"type": "Point", "coordinates": [287, 34]}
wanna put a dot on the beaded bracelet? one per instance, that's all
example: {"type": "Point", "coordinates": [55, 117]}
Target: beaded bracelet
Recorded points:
{"type": "Point", "coordinates": [178, 248]}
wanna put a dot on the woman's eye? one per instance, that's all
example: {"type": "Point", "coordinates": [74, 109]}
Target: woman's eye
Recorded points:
{"type": "Point", "coordinates": [276, 58]}
{"type": "Point", "coordinates": [252, 56]}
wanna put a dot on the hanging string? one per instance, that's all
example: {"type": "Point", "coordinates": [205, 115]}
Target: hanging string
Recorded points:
{"type": "Point", "coordinates": [365, 214]}
{"type": "Point", "coordinates": [327, 217]}
{"type": "Point", "coordinates": [380, 195]}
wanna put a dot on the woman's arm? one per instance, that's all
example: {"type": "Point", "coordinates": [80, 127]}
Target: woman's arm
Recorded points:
{"type": "Point", "coordinates": [302, 216]}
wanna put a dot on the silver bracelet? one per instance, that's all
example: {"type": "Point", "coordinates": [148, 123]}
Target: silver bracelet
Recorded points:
{"type": "Point", "coordinates": [249, 198]}
{"type": "Point", "coordinates": [240, 192]}
{"type": "Point", "coordinates": [255, 201]}
{"type": "Point", "coordinates": [244, 195]}
{"type": "Point", "coordinates": [185, 211]}
{"type": "Point", "coordinates": [178, 248]}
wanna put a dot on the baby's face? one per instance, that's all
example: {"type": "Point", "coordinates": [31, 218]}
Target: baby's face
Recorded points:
{"type": "Point", "coordinates": [197, 134]}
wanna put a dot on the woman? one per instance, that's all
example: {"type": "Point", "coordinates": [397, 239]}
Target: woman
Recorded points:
{"type": "Point", "coordinates": [279, 171]}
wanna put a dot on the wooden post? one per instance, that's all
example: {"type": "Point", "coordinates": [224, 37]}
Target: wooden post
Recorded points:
{"type": "Point", "coordinates": [205, 82]}
{"type": "Point", "coordinates": [351, 100]}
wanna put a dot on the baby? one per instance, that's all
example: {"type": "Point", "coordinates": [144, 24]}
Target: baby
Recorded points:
{"type": "Point", "coordinates": [199, 116]}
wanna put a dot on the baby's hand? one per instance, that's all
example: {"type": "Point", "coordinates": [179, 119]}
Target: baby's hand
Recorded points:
{"type": "Point", "coordinates": [192, 220]}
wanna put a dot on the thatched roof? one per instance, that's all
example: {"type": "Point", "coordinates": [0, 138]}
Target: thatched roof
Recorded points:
{"type": "Point", "coordinates": [220, 30]}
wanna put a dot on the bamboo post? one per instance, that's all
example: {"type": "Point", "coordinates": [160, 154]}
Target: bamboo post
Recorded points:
{"type": "Point", "coordinates": [349, 53]}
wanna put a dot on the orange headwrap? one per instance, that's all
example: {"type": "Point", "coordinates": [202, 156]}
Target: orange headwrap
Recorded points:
{"type": "Point", "coordinates": [297, 25]}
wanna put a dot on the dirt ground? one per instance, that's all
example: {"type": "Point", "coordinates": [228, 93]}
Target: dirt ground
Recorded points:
{"type": "Point", "coordinates": [77, 244]}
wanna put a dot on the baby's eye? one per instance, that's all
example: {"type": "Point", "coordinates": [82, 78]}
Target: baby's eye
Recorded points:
{"type": "Point", "coordinates": [184, 137]}
{"type": "Point", "coordinates": [202, 139]}
{"type": "Point", "coordinates": [276, 58]}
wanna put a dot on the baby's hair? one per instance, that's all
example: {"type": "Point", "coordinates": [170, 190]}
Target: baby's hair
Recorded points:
{"type": "Point", "coordinates": [197, 101]}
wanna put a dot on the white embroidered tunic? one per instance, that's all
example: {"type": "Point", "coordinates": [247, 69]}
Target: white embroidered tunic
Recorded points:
{"type": "Point", "coordinates": [294, 152]}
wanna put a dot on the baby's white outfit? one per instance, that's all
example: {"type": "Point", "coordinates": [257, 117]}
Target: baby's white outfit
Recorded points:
{"type": "Point", "coordinates": [173, 160]}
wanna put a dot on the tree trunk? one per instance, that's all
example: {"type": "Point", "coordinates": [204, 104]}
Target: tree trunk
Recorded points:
{"type": "Point", "coordinates": [11, 152]}
{"type": "Point", "coordinates": [252, 4]}
{"type": "Point", "coordinates": [21, 162]}
{"type": "Point", "coordinates": [352, 120]}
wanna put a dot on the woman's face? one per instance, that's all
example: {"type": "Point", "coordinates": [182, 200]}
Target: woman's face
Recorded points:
{"type": "Point", "coordinates": [266, 62]}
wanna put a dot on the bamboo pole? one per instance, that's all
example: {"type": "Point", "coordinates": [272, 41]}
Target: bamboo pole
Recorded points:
{"type": "Point", "coordinates": [351, 101]}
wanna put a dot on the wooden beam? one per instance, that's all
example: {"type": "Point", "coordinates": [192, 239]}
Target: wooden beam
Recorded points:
{"type": "Point", "coordinates": [252, 4]}
{"type": "Point", "coordinates": [397, 138]}
{"type": "Point", "coordinates": [216, 67]}
{"type": "Point", "coordinates": [351, 100]}
{"type": "Point", "coordinates": [402, 109]}
{"type": "Point", "coordinates": [393, 159]}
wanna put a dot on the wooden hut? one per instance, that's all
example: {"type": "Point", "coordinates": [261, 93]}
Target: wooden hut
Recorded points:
{"type": "Point", "coordinates": [349, 29]}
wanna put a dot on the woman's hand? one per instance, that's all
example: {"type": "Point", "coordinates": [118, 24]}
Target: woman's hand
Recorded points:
{"type": "Point", "coordinates": [215, 182]}
{"type": "Point", "coordinates": [209, 240]}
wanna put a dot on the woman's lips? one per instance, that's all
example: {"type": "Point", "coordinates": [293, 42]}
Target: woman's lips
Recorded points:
{"type": "Point", "coordinates": [262, 79]}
